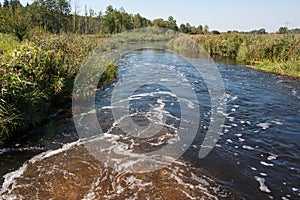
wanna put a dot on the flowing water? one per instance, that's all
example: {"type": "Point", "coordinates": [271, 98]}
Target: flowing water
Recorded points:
{"type": "Point", "coordinates": [256, 157]}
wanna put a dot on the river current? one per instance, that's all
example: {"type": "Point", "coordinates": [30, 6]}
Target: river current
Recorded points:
{"type": "Point", "coordinates": [257, 155]}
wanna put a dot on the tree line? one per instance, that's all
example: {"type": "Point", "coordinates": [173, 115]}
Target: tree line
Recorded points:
{"type": "Point", "coordinates": [55, 16]}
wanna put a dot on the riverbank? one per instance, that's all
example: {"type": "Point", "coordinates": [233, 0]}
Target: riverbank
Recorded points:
{"type": "Point", "coordinates": [273, 53]}
{"type": "Point", "coordinates": [37, 77]}
{"type": "Point", "coordinates": [289, 68]}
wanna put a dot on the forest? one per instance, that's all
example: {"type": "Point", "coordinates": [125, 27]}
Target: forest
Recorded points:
{"type": "Point", "coordinates": [55, 16]}
{"type": "Point", "coordinates": [42, 45]}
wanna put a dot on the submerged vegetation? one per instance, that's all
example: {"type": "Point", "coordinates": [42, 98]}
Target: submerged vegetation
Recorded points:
{"type": "Point", "coordinates": [42, 46]}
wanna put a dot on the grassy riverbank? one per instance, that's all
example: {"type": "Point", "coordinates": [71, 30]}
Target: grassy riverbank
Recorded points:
{"type": "Point", "coordinates": [36, 77]}
{"type": "Point", "coordinates": [273, 53]}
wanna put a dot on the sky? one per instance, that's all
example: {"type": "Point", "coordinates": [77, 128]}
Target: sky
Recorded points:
{"type": "Point", "coordinates": [222, 15]}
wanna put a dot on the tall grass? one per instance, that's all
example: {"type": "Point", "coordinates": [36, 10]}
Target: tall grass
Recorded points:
{"type": "Point", "coordinates": [37, 77]}
{"type": "Point", "coordinates": [273, 53]}
{"type": "Point", "coordinates": [8, 43]}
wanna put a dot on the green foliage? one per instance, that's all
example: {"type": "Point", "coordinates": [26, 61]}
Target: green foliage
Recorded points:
{"type": "Point", "coordinates": [215, 32]}
{"type": "Point", "coordinates": [283, 30]}
{"type": "Point", "coordinates": [15, 20]}
{"type": "Point", "coordinates": [289, 68]}
{"type": "Point", "coordinates": [8, 43]}
{"type": "Point", "coordinates": [274, 53]}
{"type": "Point", "coordinates": [38, 77]}
{"type": "Point", "coordinates": [109, 74]}
{"type": "Point", "coordinates": [259, 31]}
{"type": "Point", "coordinates": [55, 16]}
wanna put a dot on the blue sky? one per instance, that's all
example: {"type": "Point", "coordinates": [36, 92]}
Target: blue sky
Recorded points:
{"type": "Point", "coordinates": [223, 15]}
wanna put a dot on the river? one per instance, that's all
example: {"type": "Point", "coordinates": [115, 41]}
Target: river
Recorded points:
{"type": "Point", "coordinates": [256, 157]}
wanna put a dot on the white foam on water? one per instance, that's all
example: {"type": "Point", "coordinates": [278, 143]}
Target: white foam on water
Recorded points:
{"type": "Point", "coordinates": [229, 140]}
{"type": "Point", "coordinates": [277, 122]}
{"type": "Point", "coordinates": [110, 107]}
{"type": "Point", "coordinates": [272, 157]}
{"type": "Point", "coordinates": [264, 126]}
{"type": "Point", "coordinates": [9, 183]}
{"type": "Point", "coordinates": [295, 189]}
{"type": "Point", "coordinates": [242, 140]}
{"type": "Point", "coordinates": [247, 147]}
{"type": "Point", "coordinates": [263, 174]}
{"type": "Point", "coordinates": [266, 164]}
{"type": "Point", "coordinates": [231, 119]}
{"type": "Point", "coordinates": [202, 184]}
{"type": "Point", "coordinates": [253, 168]}
{"type": "Point", "coordinates": [159, 111]}
{"type": "Point", "coordinates": [262, 185]}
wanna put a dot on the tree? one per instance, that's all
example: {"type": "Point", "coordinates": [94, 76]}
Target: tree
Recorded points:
{"type": "Point", "coordinates": [5, 4]}
{"type": "Point", "coordinates": [63, 9]}
{"type": "Point", "coordinates": [138, 21]}
{"type": "Point", "coordinates": [16, 21]}
{"type": "Point", "coordinates": [188, 28]}
{"type": "Point", "coordinates": [159, 22]}
{"type": "Point", "coordinates": [172, 24]}
{"type": "Point", "coordinates": [206, 28]}
{"type": "Point", "coordinates": [200, 29]}
{"type": "Point", "coordinates": [127, 22]}
{"type": "Point", "coordinates": [283, 30]}
{"type": "Point", "coordinates": [182, 28]}
{"type": "Point", "coordinates": [108, 19]}
{"type": "Point", "coordinates": [215, 32]}
{"type": "Point", "coordinates": [262, 31]}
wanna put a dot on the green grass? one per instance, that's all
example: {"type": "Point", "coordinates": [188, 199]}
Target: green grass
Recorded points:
{"type": "Point", "coordinates": [289, 68]}
{"type": "Point", "coordinates": [37, 77]}
{"type": "Point", "coordinates": [273, 53]}
{"type": "Point", "coordinates": [8, 43]}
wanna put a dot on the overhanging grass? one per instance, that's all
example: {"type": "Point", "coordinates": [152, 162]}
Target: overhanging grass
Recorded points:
{"type": "Point", "coordinates": [289, 68]}
{"type": "Point", "coordinates": [273, 53]}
